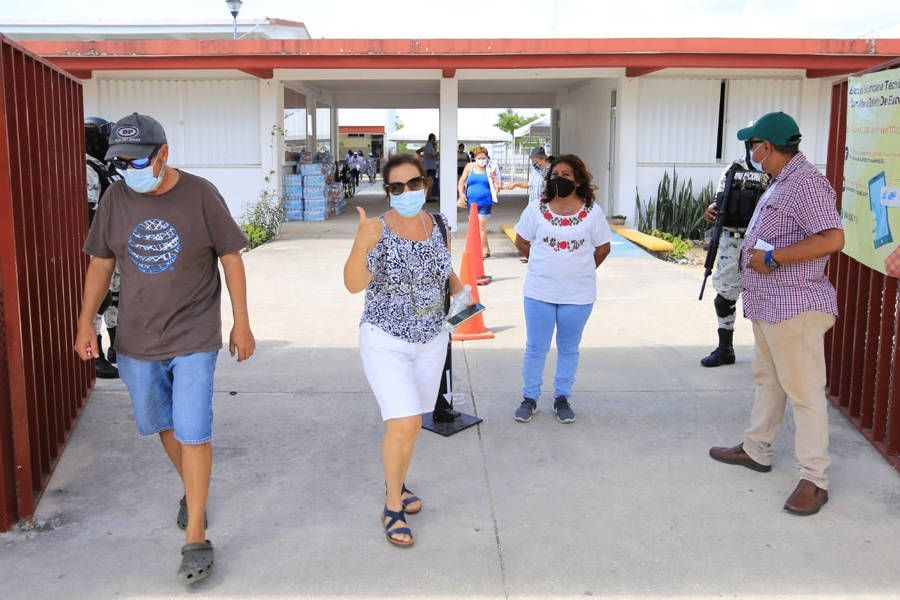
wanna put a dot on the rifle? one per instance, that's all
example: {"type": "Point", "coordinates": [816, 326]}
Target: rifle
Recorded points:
{"type": "Point", "coordinates": [721, 209]}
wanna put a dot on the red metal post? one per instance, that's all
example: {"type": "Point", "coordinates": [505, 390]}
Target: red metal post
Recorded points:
{"type": "Point", "coordinates": [858, 351]}
{"type": "Point", "coordinates": [870, 366]}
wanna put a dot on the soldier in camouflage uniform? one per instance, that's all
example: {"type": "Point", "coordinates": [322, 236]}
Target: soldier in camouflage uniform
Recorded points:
{"type": "Point", "coordinates": [748, 185]}
{"type": "Point", "coordinates": [99, 177]}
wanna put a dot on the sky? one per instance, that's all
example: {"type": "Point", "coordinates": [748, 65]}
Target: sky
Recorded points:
{"type": "Point", "coordinates": [505, 18]}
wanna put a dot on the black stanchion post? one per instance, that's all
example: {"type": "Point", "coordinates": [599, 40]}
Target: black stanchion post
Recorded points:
{"type": "Point", "coordinates": [443, 419]}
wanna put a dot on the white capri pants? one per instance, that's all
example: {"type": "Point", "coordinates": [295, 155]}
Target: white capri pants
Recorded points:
{"type": "Point", "coordinates": [404, 377]}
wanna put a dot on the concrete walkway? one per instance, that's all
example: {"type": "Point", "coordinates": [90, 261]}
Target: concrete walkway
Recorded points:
{"type": "Point", "coordinates": [624, 503]}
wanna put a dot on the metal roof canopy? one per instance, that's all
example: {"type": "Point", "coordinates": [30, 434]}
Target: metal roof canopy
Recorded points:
{"type": "Point", "coordinates": [637, 56]}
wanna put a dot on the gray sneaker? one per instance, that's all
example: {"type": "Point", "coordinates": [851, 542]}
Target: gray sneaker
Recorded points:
{"type": "Point", "coordinates": [564, 412]}
{"type": "Point", "coordinates": [526, 410]}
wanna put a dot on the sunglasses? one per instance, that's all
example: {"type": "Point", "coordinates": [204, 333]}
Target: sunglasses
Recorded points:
{"type": "Point", "coordinates": [751, 143]}
{"type": "Point", "coordinates": [134, 163]}
{"type": "Point", "coordinates": [415, 184]}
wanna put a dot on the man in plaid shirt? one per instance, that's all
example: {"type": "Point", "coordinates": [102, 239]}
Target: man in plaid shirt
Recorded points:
{"type": "Point", "coordinates": [791, 304]}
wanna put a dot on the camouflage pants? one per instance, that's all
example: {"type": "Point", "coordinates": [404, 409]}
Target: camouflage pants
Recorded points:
{"type": "Point", "coordinates": [727, 278]}
{"type": "Point", "coordinates": [111, 313]}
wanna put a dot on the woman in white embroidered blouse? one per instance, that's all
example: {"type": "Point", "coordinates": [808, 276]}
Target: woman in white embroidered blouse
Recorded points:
{"type": "Point", "coordinates": [565, 238]}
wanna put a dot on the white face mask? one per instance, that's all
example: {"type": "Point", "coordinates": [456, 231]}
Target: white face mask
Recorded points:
{"type": "Point", "coordinates": [758, 164]}
{"type": "Point", "coordinates": [481, 162]}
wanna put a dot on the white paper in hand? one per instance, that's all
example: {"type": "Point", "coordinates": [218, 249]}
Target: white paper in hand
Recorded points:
{"type": "Point", "coordinates": [763, 245]}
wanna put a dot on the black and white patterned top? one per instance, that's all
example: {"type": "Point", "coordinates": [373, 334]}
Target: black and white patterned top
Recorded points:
{"type": "Point", "coordinates": [406, 295]}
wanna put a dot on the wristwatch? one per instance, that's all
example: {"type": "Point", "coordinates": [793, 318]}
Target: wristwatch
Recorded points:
{"type": "Point", "coordinates": [771, 263]}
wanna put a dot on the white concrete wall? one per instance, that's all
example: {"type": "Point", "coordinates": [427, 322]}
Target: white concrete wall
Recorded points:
{"type": "Point", "coordinates": [238, 185]}
{"type": "Point", "coordinates": [584, 113]}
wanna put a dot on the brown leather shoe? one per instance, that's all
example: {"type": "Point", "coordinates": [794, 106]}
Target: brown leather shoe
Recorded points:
{"type": "Point", "coordinates": [737, 456]}
{"type": "Point", "coordinates": [806, 499]}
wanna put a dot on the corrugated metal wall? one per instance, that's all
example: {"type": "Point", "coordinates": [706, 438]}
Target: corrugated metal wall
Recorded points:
{"type": "Point", "coordinates": [679, 120]}
{"type": "Point", "coordinates": [680, 117]}
{"type": "Point", "coordinates": [208, 122]}
{"type": "Point", "coordinates": [747, 99]}
{"type": "Point", "coordinates": [43, 221]}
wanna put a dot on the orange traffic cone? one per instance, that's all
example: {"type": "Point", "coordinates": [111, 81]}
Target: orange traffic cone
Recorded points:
{"type": "Point", "coordinates": [473, 248]}
{"type": "Point", "coordinates": [474, 328]}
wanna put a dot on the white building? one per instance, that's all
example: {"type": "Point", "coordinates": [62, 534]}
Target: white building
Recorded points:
{"type": "Point", "coordinates": [631, 108]}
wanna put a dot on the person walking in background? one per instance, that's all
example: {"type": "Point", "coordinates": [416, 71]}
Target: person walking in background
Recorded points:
{"type": "Point", "coordinates": [462, 159]}
{"type": "Point", "coordinates": [792, 304]}
{"type": "Point", "coordinates": [166, 230]}
{"type": "Point", "coordinates": [371, 168]}
{"type": "Point", "coordinates": [356, 167]}
{"type": "Point", "coordinates": [402, 261]}
{"type": "Point", "coordinates": [429, 155]}
{"type": "Point", "coordinates": [565, 238]}
{"type": "Point", "coordinates": [537, 175]}
{"type": "Point", "coordinates": [478, 185]}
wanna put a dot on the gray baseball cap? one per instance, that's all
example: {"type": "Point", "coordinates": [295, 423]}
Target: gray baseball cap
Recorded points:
{"type": "Point", "coordinates": [135, 136]}
{"type": "Point", "coordinates": [537, 152]}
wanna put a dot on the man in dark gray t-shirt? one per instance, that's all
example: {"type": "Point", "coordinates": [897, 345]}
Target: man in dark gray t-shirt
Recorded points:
{"type": "Point", "coordinates": [167, 230]}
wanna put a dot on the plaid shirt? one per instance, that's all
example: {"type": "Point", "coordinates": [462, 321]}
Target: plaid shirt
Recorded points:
{"type": "Point", "coordinates": [798, 204]}
{"type": "Point", "coordinates": [536, 183]}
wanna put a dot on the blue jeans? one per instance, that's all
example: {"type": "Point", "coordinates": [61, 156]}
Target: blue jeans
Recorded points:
{"type": "Point", "coordinates": [540, 320]}
{"type": "Point", "coordinates": [175, 393]}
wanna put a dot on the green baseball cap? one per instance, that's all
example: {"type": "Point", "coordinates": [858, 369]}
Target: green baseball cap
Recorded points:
{"type": "Point", "coordinates": [776, 128]}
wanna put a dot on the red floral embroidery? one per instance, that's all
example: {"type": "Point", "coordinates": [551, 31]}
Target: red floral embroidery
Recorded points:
{"type": "Point", "coordinates": [564, 221]}
{"type": "Point", "coordinates": [560, 245]}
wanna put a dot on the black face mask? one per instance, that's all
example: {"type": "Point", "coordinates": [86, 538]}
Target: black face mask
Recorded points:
{"type": "Point", "coordinates": [560, 187]}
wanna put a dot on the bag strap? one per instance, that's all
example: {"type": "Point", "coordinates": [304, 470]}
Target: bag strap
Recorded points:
{"type": "Point", "coordinates": [439, 221]}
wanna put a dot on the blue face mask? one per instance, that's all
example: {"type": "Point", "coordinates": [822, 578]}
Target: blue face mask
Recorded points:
{"type": "Point", "coordinates": [757, 165]}
{"type": "Point", "coordinates": [409, 203]}
{"type": "Point", "coordinates": [142, 180]}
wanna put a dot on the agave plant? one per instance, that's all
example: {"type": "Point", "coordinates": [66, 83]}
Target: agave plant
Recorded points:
{"type": "Point", "coordinates": [675, 209]}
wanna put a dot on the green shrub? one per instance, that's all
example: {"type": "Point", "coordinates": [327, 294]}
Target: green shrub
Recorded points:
{"type": "Point", "coordinates": [675, 209]}
{"type": "Point", "coordinates": [262, 219]}
{"type": "Point", "coordinates": [256, 235]}
{"type": "Point", "coordinates": [680, 246]}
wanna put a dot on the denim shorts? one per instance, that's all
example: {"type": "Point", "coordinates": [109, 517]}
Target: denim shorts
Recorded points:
{"type": "Point", "coordinates": [484, 210]}
{"type": "Point", "coordinates": [175, 393]}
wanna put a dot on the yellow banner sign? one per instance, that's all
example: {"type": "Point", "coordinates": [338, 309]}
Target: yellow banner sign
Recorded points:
{"type": "Point", "coordinates": [871, 201]}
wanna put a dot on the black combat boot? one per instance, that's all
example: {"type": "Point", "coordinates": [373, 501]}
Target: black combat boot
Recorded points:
{"type": "Point", "coordinates": [724, 354]}
{"type": "Point", "coordinates": [102, 368]}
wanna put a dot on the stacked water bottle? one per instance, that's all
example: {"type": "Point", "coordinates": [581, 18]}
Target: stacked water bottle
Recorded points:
{"type": "Point", "coordinates": [308, 193]}
{"type": "Point", "coordinates": [293, 198]}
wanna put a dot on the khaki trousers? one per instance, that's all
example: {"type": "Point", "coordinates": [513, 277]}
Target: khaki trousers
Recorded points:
{"type": "Point", "coordinates": [790, 363]}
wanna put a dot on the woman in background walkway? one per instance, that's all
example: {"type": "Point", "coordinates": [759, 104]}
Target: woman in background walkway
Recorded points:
{"type": "Point", "coordinates": [478, 185]}
{"type": "Point", "coordinates": [565, 238]}
{"type": "Point", "coordinates": [402, 261]}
